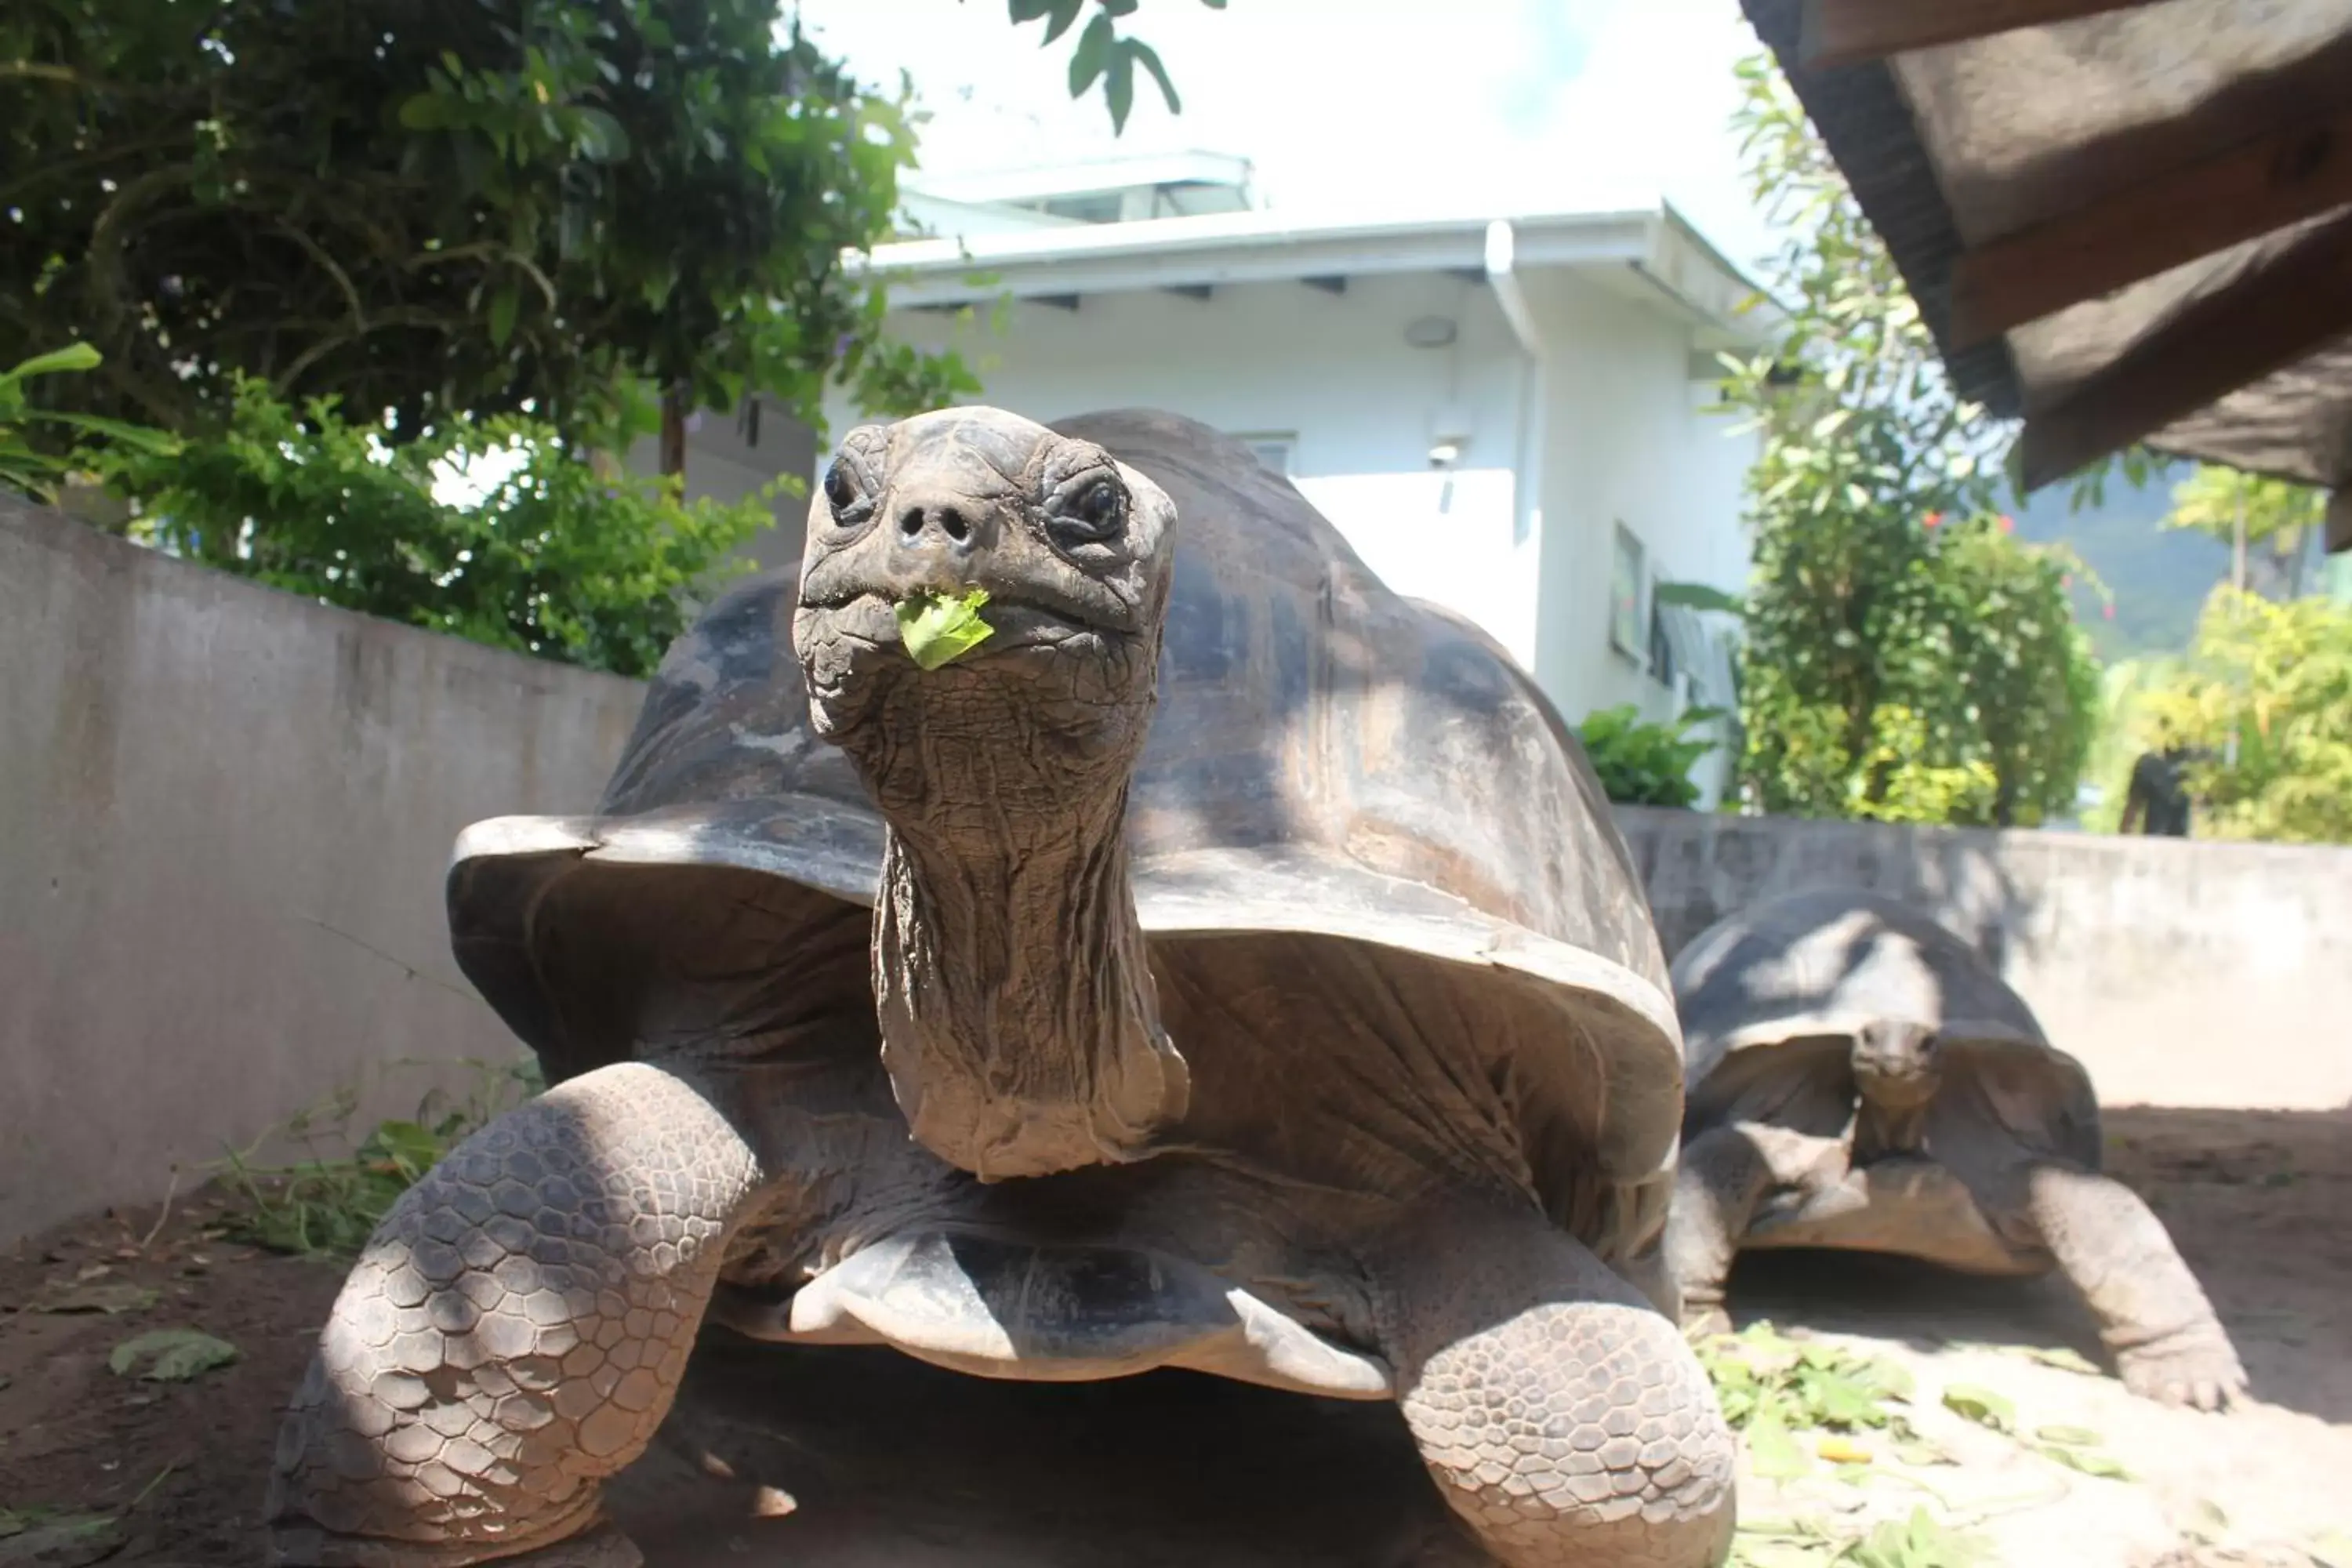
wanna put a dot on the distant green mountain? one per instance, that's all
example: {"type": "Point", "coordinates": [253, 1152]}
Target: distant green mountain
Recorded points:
{"type": "Point", "coordinates": [2160, 579]}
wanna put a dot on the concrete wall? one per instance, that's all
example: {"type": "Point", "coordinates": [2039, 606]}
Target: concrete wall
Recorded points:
{"type": "Point", "coordinates": [2180, 972]}
{"type": "Point", "coordinates": [225, 814]}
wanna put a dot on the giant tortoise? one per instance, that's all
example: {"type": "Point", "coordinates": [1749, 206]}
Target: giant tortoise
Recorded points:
{"type": "Point", "coordinates": [1313, 1033]}
{"type": "Point", "coordinates": [1860, 1078]}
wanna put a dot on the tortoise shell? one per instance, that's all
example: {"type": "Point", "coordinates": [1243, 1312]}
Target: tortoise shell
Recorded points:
{"type": "Point", "coordinates": [1773, 993]}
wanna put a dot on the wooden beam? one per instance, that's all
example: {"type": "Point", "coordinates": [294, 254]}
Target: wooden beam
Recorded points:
{"type": "Point", "coordinates": [1328, 285]}
{"type": "Point", "coordinates": [2260, 186]}
{"type": "Point", "coordinates": [1835, 33]}
{"type": "Point", "coordinates": [2279, 312]}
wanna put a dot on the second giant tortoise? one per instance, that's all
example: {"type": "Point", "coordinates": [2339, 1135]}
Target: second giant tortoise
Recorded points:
{"type": "Point", "coordinates": [1860, 1078]}
{"type": "Point", "coordinates": [1313, 1032]}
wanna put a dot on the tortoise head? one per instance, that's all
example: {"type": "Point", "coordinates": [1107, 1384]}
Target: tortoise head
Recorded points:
{"type": "Point", "coordinates": [1898, 1063]}
{"type": "Point", "coordinates": [1075, 554]}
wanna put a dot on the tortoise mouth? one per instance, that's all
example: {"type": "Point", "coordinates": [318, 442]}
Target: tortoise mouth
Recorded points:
{"type": "Point", "coordinates": [1904, 1088]}
{"type": "Point", "coordinates": [1017, 623]}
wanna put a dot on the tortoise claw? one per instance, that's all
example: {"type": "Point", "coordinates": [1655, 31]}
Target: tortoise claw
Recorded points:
{"type": "Point", "coordinates": [1705, 1323]}
{"type": "Point", "coordinates": [2199, 1372]}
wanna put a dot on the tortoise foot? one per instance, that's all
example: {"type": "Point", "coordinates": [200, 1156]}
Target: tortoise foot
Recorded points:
{"type": "Point", "coordinates": [1561, 1415]}
{"type": "Point", "coordinates": [602, 1545]}
{"type": "Point", "coordinates": [2198, 1369]}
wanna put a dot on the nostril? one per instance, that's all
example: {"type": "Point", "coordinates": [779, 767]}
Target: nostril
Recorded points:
{"type": "Point", "coordinates": [948, 523]}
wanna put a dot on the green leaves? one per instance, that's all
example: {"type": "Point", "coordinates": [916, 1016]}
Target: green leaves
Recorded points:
{"type": "Point", "coordinates": [1093, 55]}
{"type": "Point", "coordinates": [170, 1355]}
{"type": "Point", "coordinates": [1904, 657]}
{"type": "Point", "coordinates": [2270, 683]}
{"type": "Point", "coordinates": [34, 468]}
{"type": "Point", "coordinates": [2071, 1436]}
{"type": "Point", "coordinates": [503, 306]}
{"type": "Point", "coordinates": [332, 1201]}
{"type": "Point", "coordinates": [1982, 1406]}
{"type": "Point", "coordinates": [2065, 1358]}
{"type": "Point", "coordinates": [109, 1297]}
{"type": "Point", "coordinates": [1103, 55]}
{"type": "Point", "coordinates": [2077, 1449]}
{"type": "Point", "coordinates": [1643, 764]}
{"type": "Point", "coordinates": [2213, 500]}
{"type": "Point", "coordinates": [1772, 1450]}
{"type": "Point", "coordinates": [520, 207]}
{"type": "Point", "coordinates": [73, 357]}
{"type": "Point", "coordinates": [547, 555]}
{"type": "Point", "coordinates": [1917, 1541]}
{"type": "Point", "coordinates": [938, 629]}
{"type": "Point", "coordinates": [1768, 1383]}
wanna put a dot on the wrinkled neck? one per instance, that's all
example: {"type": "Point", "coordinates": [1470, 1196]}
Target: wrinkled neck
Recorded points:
{"type": "Point", "coordinates": [1890, 1116]}
{"type": "Point", "coordinates": [1020, 1021]}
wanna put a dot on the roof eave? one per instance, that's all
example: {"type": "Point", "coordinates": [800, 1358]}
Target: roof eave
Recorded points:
{"type": "Point", "coordinates": [1245, 248]}
{"type": "Point", "coordinates": [1867, 124]}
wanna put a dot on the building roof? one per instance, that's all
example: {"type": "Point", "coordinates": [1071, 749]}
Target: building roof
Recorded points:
{"type": "Point", "coordinates": [2124, 220]}
{"type": "Point", "coordinates": [1090, 176]}
{"type": "Point", "coordinates": [1654, 245]}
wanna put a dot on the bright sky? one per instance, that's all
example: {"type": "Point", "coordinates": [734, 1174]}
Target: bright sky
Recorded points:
{"type": "Point", "coordinates": [1369, 107]}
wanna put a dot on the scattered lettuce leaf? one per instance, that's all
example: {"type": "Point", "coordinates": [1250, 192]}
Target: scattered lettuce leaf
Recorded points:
{"type": "Point", "coordinates": [2069, 1436]}
{"type": "Point", "coordinates": [1982, 1406]}
{"type": "Point", "coordinates": [2063, 1358]}
{"type": "Point", "coordinates": [1774, 1452]}
{"type": "Point", "coordinates": [2090, 1461]}
{"type": "Point", "coordinates": [170, 1355]}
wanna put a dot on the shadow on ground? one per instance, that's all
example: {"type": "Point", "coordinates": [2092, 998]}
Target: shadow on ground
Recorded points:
{"type": "Point", "coordinates": [2259, 1202]}
{"type": "Point", "coordinates": [886, 1460]}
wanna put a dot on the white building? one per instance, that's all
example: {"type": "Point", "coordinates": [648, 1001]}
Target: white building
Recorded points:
{"type": "Point", "coordinates": [1506, 415]}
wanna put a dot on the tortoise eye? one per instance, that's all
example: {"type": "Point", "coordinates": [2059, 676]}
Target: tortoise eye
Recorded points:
{"type": "Point", "coordinates": [1098, 511]}
{"type": "Point", "coordinates": [846, 494]}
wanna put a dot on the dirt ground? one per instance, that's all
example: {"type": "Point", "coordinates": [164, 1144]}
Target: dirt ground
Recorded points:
{"type": "Point", "coordinates": [843, 1458]}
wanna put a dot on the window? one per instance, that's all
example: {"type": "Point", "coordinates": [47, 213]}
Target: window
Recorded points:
{"type": "Point", "coordinates": [1625, 624]}
{"type": "Point", "coordinates": [1664, 665]}
{"type": "Point", "coordinates": [1271, 448]}
{"type": "Point", "coordinates": [1099, 208]}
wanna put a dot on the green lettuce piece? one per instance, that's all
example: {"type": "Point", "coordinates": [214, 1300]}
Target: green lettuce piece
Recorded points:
{"type": "Point", "coordinates": [170, 1355]}
{"type": "Point", "coordinates": [939, 629]}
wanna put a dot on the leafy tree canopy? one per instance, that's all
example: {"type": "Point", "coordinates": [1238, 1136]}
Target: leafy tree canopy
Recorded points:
{"type": "Point", "coordinates": [493, 530]}
{"type": "Point", "coordinates": [1906, 656]}
{"type": "Point", "coordinates": [2265, 699]}
{"type": "Point", "coordinates": [444, 206]}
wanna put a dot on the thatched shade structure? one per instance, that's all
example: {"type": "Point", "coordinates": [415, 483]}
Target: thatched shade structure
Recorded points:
{"type": "Point", "coordinates": [2125, 220]}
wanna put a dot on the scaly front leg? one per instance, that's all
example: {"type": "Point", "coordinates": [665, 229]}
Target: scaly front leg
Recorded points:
{"type": "Point", "coordinates": [1561, 1415]}
{"type": "Point", "coordinates": [513, 1334]}
{"type": "Point", "coordinates": [2152, 1312]}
